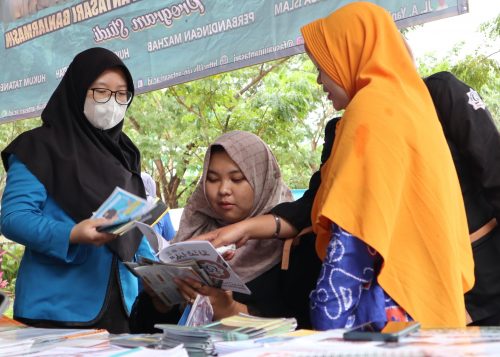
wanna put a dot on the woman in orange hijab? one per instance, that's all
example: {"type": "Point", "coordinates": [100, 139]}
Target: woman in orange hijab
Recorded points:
{"type": "Point", "coordinates": [389, 216]}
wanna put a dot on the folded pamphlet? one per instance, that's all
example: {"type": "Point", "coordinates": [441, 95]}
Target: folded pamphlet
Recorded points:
{"type": "Point", "coordinates": [198, 260]}
{"type": "Point", "coordinates": [209, 259]}
{"type": "Point", "coordinates": [125, 209]}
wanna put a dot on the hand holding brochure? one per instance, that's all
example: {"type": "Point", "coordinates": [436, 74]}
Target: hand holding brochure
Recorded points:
{"type": "Point", "coordinates": [125, 209]}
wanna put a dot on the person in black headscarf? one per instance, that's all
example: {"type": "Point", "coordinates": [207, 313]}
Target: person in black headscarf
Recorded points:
{"type": "Point", "coordinates": [71, 275]}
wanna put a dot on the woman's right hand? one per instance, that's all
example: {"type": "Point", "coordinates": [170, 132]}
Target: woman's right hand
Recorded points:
{"type": "Point", "coordinates": [222, 301]}
{"type": "Point", "coordinates": [86, 232]}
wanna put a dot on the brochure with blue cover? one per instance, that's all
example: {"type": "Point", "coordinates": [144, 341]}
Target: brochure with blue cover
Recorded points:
{"type": "Point", "coordinates": [124, 209]}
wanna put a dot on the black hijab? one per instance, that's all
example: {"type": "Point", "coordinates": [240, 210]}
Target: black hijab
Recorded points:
{"type": "Point", "coordinates": [78, 164]}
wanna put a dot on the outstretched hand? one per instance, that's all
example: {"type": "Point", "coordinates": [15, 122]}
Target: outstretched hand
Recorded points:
{"type": "Point", "coordinates": [233, 233]}
{"type": "Point", "coordinates": [86, 232]}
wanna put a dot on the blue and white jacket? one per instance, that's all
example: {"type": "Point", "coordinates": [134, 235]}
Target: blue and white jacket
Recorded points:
{"type": "Point", "coordinates": [57, 281]}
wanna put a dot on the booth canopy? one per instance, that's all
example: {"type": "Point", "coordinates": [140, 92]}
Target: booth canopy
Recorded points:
{"type": "Point", "coordinates": [163, 42]}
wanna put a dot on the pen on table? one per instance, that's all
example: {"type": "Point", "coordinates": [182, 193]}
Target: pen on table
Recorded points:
{"type": "Point", "coordinates": [56, 339]}
{"type": "Point", "coordinates": [84, 334]}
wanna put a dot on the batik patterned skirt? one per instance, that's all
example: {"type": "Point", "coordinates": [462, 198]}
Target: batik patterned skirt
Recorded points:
{"type": "Point", "coordinates": [347, 293]}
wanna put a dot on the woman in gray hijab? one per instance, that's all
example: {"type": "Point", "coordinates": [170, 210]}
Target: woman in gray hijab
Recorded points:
{"type": "Point", "coordinates": [241, 179]}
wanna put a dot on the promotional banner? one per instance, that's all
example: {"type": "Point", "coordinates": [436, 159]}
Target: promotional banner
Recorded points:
{"type": "Point", "coordinates": [162, 42]}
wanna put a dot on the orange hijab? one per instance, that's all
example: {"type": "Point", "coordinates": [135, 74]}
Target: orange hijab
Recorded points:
{"type": "Point", "coordinates": [390, 179]}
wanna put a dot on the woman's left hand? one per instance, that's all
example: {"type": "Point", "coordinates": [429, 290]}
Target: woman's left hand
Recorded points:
{"type": "Point", "coordinates": [222, 301]}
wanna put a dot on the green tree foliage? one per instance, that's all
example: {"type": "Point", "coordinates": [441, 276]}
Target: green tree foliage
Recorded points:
{"type": "Point", "coordinates": [491, 28]}
{"type": "Point", "coordinates": [478, 69]}
{"type": "Point", "coordinates": [8, 132]}
{"type": "Point", "coordinates": [279, 101]}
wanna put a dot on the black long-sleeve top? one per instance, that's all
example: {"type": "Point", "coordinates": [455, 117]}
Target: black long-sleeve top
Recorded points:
{"type": "Point", "coordinates": [474, 143]}
{"type": "Point", "coordinates": [298, 213]}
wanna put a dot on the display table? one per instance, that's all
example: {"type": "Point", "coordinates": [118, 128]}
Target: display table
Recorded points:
{"type": "Point", "coordinates": [19, 340]}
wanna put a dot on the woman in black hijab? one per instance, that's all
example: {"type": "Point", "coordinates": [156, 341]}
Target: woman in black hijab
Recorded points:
{"type": "Point", "coordinates": [72, 275]}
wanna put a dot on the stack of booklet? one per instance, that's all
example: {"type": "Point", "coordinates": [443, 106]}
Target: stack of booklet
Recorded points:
{"type": "Point", "coordinates": [205, 340]}
{"type": "Point", "coordinates": [235, 328]}
{"type": "Point", "coordinates": [196, 343]}
{"type": "Point", "coordinates": [23, 340]}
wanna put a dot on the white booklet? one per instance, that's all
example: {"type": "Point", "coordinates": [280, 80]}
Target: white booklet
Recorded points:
{"type": "Point", "coordinates": [198, 260]}
{"type": "Point", "coordinates": [208, 258]}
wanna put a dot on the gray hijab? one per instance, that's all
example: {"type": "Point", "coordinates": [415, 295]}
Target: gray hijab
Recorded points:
{"type": "Point", "coordinates": [260, 168]}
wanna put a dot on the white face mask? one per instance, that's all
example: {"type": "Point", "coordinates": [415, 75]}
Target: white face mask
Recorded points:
{"type": "Point", "coordinates": [104, 115]}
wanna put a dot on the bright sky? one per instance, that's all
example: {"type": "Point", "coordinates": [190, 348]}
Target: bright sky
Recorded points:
{"type": "Point", "coordinates": [438, 37]}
